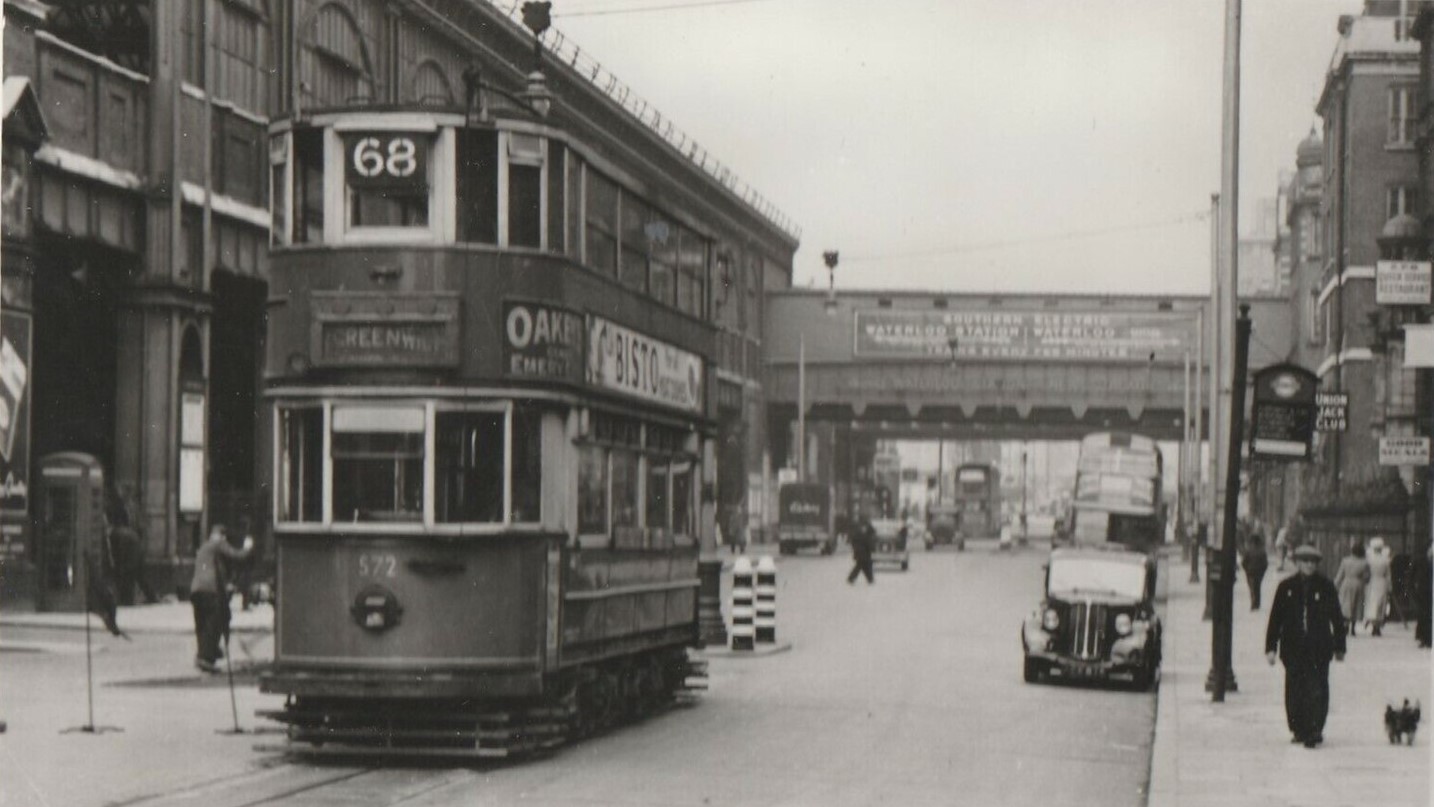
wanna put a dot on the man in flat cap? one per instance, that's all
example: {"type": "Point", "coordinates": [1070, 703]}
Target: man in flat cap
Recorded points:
{"type": "Point", "coordinates": [1306, 630]}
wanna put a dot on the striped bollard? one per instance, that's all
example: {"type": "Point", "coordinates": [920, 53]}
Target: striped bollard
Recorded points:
{"type": "Point", "coordinates": [743, 632]}
{"type": "Point", "coordinates": [766, 600]}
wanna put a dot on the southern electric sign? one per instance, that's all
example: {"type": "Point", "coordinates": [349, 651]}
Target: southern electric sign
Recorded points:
{"type": "Point", "coordinates": [1023, 335]}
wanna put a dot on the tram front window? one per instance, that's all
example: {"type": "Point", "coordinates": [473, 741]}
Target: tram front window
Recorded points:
{"type": "Point", "coordinates": [378, 464]}
{"type": "Point", "coordinates": [470, 467]}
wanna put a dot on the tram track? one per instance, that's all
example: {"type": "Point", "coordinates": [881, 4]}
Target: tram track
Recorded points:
{"type": "Point", "coordinates": [300, 784]}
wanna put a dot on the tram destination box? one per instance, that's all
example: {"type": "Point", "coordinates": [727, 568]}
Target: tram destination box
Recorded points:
{"type": "Point", "coordinates": [379, 330]}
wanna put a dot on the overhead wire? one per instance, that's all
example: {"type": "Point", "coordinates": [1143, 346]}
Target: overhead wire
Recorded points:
{"type": "Point", "coordinates": [984, 246]}
{"type": "Point", "coordinates": [650, 9]}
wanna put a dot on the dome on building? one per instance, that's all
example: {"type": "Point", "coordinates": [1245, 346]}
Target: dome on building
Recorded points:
{"type": "Point", "coordinates": [1402, 226]}
{"type": "Point", "coordinates": [1310, 151]}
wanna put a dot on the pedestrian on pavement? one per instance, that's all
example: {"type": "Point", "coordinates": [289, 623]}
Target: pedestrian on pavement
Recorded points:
{"type": "Point", "coordinates": [1255, 562]}
{"type": "Point", "coordinates": [1381, 582]}
{"type": "Point", "coordinates": [241, 571]}
{"type": "Point", "coordinates": [100, 597]}
{"type": "Point", "coordinates": [863, 541]}
{"type": "Point", "coordinates": [1424, 597]}
{"type": "Point", "coordinates": [1350, 579]}
{"type": "Point", "coordinates": [1282, 545]}
{"type": "Point", "coordinates": [1305, 631]}
{"type": "Point", "coordinates": [208, 593]}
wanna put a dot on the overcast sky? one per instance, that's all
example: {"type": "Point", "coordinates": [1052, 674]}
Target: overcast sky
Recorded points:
{"type": "Point", "coordinates": [975, 145]}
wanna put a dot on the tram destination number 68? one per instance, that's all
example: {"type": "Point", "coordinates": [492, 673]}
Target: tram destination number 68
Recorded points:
{"type": "Point", "coordinates": [373, 159]}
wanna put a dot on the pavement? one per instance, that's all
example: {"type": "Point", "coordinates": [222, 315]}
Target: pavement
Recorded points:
{"type": "Point", "coordinates": [1239, 752]}
{"type": "Point", "coordinates": [161, 617]}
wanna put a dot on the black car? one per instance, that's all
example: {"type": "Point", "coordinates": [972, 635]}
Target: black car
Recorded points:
{"type": "Point", "coordinates": [1096, 620]}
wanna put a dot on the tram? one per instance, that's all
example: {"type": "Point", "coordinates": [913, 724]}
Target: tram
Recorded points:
{"type": "Point", "coordinates": [489, 374]}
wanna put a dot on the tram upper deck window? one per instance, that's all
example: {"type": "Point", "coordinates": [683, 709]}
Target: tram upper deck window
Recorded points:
{"type": "Point", "coordinates": [386, 178]}
{"type": "Point", "coordinates": [601, 220]}
{"type": "Point", "coordinates": [525, 190]}
{"type": "Point", "coordinates": [308, 201]}
{"type": "Point", "coordinates": [478, 186]}
{"type": "Point", "coordinates": [377, 464]}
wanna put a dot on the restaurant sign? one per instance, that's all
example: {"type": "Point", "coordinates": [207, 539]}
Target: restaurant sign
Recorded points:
{"type": "Point", "coordinates": [633, 364]}
{"type": "Point", "coordinates": [1404, 450]}
{"type": "Point", "coordinates": [1103, 336]}
{"type": "Point", "coordinates": [1402, 283]}
{"type": "Point", "coordinates": [542, 341]}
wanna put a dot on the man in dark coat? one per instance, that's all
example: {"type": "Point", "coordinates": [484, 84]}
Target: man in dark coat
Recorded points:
{"type": "Point", "coordinates": [863, 541]}
{"type": "Point", "coordinates": [1424, 597]}
{"type": "Point", "coordinates": [1306, 630]}
{"type": "Point", "coordinates": [1255, 563]}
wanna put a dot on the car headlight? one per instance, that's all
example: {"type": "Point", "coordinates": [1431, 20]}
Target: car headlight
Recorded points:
{"type": "Point", "coordinates": [1122, 624]}
{"type": "Point", "coordinates": [1050, 620]}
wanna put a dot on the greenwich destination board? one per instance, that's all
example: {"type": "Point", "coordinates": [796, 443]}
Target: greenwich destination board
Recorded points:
{"type": "Point", "coordinates": [1102, 336]}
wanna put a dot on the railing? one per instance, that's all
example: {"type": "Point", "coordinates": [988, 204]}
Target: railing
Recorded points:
{"type": "Point", "coordinates": [564, 50]}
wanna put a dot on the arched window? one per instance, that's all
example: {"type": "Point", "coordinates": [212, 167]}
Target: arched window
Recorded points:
{"type": "Point", "coordinates": [336, 66]}
{"type": "Point", "coordinates": [431, 86]}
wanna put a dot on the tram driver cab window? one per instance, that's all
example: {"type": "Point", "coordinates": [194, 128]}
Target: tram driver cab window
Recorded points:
{"type": "Point", "coordinates": [377, 464]}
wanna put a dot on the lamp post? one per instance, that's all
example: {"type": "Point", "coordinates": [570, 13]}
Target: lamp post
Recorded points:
{"type": "Point", "coordinates": [830, 258]}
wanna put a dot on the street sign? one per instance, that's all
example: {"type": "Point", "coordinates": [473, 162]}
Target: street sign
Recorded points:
{"type": "Point", "coordinates": [1283, 418]}
{"type": "Point", "coordinates": [1404, 451]}
{"type": "Point", "coordinates": [1332, 411]}
{"type": "Point", "coordinates": [1402, 283]}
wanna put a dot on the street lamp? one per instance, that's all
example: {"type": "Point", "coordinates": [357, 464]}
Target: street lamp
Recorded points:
{"type": "Point", "coordinates": [830, 257]}
{"type": "Point", "coordinates": [951, 345]}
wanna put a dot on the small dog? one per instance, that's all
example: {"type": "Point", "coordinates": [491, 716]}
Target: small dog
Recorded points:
{"type": "Point", "coordinates": [1402, 723]}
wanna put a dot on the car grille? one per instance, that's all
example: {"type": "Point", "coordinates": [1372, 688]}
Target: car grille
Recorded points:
{"type": "Point", "coordinates": [1087, 629]}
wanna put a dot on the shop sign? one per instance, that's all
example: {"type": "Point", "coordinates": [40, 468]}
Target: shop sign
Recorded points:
{"type": "Point", "coordinates": [625, 361]}
{"type": "Point", "coordinates": [1419, 346]}
{"type": "Point", "coordinates": [1103, 336]}
{"type": "Point", "coordinates": [542, 341]}
{"type": "Point", "coordinates": [1404, 451]}
{"type": "Point", "coordinates": [1332, 411]}
{"type": "Point", "coordinates": [12, 542]}
{"type": "Point", "coordinates": [15, 362]}
{"type": "Point", "coordinates": [1402, 283]}
{"type": "Point", "coordinates": [1284, 413]}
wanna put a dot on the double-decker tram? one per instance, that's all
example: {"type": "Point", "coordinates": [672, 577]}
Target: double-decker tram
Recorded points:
{"type": "Point", "coordinates": [488, 372]}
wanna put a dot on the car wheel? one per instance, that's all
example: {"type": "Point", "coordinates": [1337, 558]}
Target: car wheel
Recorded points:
{"type": "Point", "coordinates": [930, 544]}
{"type": "Point", "coordinates": [1143, 678]}
{"type": "Point", "coordinates": [905, 565]}
{"type": "Point", "coordinates": [961, 545]}
{"type": "Point", "coordinates": [1031, 671]}
{"type": "Point", "coordinates": [828, 548]}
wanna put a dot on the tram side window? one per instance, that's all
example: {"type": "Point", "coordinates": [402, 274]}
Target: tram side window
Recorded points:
{"type": "Point", "coordinates": [557, 236]}
{"type": "Point", "coordinates": [378, 464]}
{"type": "Point", "coordinates": [625, 480]}
{"type": "Point", "coordinates": [470, 467]}
{"type": "Point", "coordinates": [301, 465]}
{"type": "Point", "coordinates": [478, 186]}
{"type": "Point", "coordinates": [525, 190]}
{"type": "Point", "coordinates": [601, 230]}
{"type": "Point", "coordinates": [592, 490]}
{"type": "Point", "coordinates": [308, 186]}
{"type": "Point", "coordinates": [527, 464]}
{"type": "Point", "coordinates": [659, 516]}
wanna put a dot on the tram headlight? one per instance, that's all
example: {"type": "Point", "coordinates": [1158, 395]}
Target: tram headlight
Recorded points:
{"type": "Point", "coordinates": [1122, 624]}
{"type": "Point", "coordinates": [1050, 620]}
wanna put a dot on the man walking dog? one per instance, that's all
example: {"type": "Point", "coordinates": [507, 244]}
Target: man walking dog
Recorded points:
{"type": "Point", "coordinates": [1306, 629]}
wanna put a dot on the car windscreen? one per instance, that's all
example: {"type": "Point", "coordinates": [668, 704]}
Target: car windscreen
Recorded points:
{"type": "Point", "coordinates": [1097, 577]}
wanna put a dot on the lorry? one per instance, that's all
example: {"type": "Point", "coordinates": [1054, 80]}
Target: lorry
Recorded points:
{"type": "Point", "coordinates": [804, 518]}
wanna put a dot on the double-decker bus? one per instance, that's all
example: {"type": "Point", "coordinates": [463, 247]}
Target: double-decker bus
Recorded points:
{"type": "Point", "coordinates": [974, 510]}
{"type": "Point", "coordinates": [1118, 492]}
{"type": "Point", "coordinates": [489, 376]}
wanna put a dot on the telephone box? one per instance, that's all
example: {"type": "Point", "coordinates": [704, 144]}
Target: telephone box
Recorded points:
{"type": "Point", "coordinates": [68, 506]}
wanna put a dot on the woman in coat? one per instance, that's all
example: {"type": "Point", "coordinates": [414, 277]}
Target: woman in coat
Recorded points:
{"type": "Point", "coordinates": [1381, 583]}
{"type": "Point", "coordinates": [1351, 578]}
